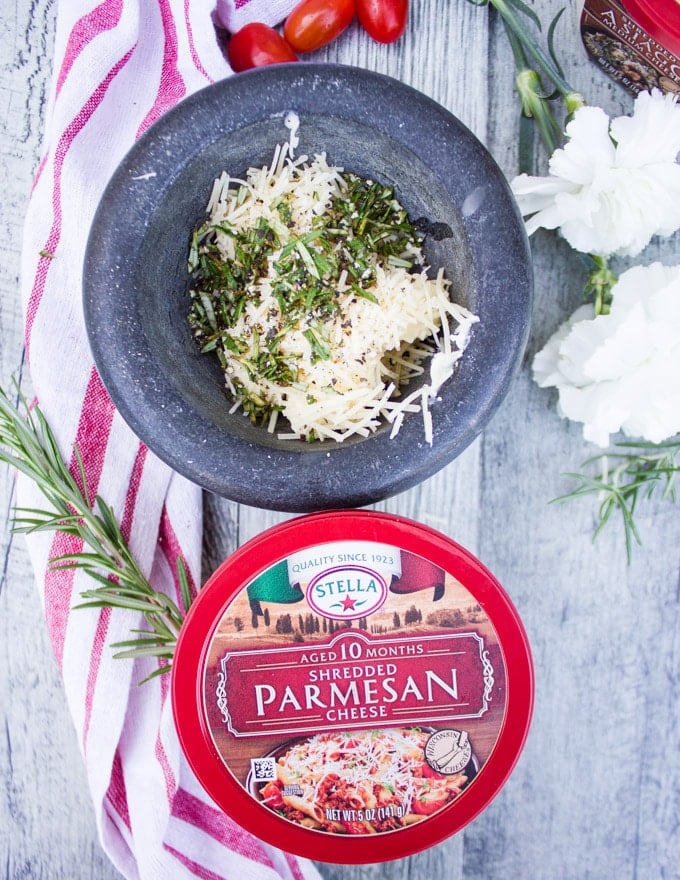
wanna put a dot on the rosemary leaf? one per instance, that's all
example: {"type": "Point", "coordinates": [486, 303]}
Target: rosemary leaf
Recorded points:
{"type": "Point", "coordinates": [151, 651]}
{"type": "Point", "coordinates": [139, 642]}
{"type": "Point", "coordinates": [162, 670]}
{"type": "Point", "coordinates": [28, 445]}
{"type": "Point", "coordinates": [113, 601]}
{"type": "Point", "coordinates": [145, 636]}
{"type": "Point", "coordinates": [184, 586]}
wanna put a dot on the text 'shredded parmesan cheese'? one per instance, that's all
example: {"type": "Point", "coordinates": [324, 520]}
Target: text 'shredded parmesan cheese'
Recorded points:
{"type": "Point", "coordinates": [352, 686]}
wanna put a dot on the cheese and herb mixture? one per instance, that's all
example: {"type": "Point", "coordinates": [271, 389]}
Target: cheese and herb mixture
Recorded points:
{"type": "Point", "coordinates": [309, 284]}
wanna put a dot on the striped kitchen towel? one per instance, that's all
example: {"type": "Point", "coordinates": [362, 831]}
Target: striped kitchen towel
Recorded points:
{"type": "Point", "coordinates": [120, 64]}
{"type": "Point", "coordinates": [232, 15]}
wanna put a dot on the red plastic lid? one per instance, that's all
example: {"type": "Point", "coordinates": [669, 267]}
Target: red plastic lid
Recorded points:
{"type": "Point", "coordinates": [660, 18]}
{"type": "Point", "coordinates": [352, 687]}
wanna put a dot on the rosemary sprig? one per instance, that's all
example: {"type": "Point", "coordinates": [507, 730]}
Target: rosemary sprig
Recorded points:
{"type": "Point", "coordinates": [629, 473]}
{"type": "Point", "coordinates": [28, 445]}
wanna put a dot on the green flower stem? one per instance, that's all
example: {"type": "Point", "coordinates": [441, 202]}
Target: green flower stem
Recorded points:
{"type": "Point", "coordinates": [545, 65]}
{"type": "Point", "coordinates": [601, 281]}
{"type": "Point", "coordinates": [533, 65]}
{"type": "Point", "coordinates": [573, 102]}
{"type": "Point", "coordinates": [536, 106]}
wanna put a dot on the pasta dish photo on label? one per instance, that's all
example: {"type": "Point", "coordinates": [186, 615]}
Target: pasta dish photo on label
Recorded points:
{"type": "Point", "coordinates": [359, 782]}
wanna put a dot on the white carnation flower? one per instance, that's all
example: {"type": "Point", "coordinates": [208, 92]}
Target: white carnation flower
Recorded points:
{"type": "Point", "coordinates": [615, 184]}
{"type": "Point", "coordinates": [621, 371]}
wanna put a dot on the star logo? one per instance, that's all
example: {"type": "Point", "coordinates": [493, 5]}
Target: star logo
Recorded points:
{"type": "Point", "coordinates": [348, 603]}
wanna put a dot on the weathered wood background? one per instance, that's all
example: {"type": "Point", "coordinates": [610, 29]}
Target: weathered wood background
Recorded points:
{"type": "Point", "coordinates": [596, 793]}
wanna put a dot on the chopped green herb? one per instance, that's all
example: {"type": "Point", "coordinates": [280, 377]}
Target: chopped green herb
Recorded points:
{"type": "Point", "coordinates": [321, 350]}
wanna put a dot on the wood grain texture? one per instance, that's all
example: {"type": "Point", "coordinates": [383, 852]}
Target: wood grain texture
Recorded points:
{"type": "Point", "coordinates": [596, 791]}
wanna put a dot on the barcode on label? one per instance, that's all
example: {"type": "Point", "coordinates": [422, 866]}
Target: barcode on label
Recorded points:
{"type": "Point", "coordinates": [263, 769]}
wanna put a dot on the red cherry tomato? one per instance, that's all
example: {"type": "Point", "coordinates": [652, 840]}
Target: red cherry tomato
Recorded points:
{"type": "Point", "coordinates": [429, 773]}
{"type": "Point", "coordinates": [313, 23]}
{"type": "Point", "coordinates": [256, 45]}
{"type": "Point", "coordinates": [384, 20]}
{"type": "Point", "coordinates": [272, 796]}
{"type": "Point", "coordinates": [355, 828]}
{"type": "Point", "coordinates": [428, 802]}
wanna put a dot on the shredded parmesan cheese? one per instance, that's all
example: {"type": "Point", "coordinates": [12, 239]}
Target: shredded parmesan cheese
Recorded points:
{"type": "Point", "coordinates": [332, 370]}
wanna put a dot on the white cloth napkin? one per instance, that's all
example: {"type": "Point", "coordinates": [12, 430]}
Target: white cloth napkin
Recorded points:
{"type": "Point", "coordinates": [119, 64]}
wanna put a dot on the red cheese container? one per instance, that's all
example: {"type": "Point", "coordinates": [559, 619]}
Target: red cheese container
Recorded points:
{"type": "Point", "coordinates": [637, 42]}
{"type": "Point", "coordinates": [660, 19]}
{"type": "Point", "coordinates": [352, 686]}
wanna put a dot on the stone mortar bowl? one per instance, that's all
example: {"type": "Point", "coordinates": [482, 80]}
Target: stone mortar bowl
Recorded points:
{"type": "Point", "coordinates": [136, 285]}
